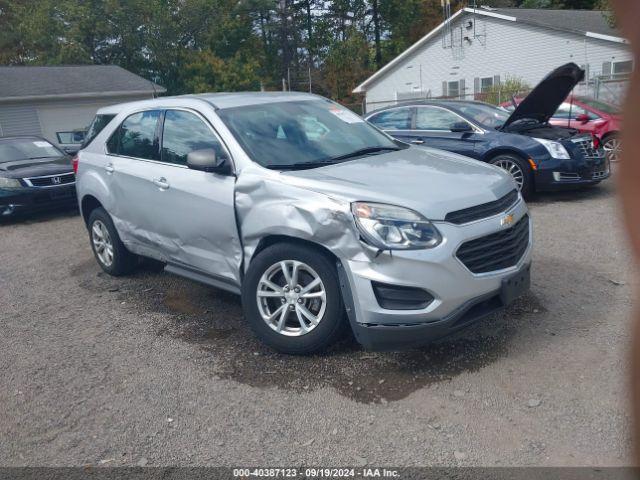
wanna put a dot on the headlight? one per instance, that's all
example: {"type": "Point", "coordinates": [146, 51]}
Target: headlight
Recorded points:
{"type": "Point", "coordinates": [9, 183]}
{"type": "Point", "coordinates": [388, 227]}
{"type": "Point", "coordinates": [555, 149]}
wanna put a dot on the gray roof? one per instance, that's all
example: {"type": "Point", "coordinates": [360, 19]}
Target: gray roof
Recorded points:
{"type": "Point", "coordinates": [69, 81]}
{"type": "Point", "coordinates": [581, 21]}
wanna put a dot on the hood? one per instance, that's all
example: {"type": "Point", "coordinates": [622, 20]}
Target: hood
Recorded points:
{"type": "Point", "coordinates": [548, 95]}
{"type": "Point", "coordinates": [36, 167]}
{"type": "Point", "coordinates": [431, 182]}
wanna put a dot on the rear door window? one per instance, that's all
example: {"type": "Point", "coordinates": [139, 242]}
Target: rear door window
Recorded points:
{"type": "Point", "coordinates": [184, 132]}
{"type": "Point", "coordinates": [434, 118]}
{"type": "Point", "coordinates": [394, 119]}
{"type": "Point", "coordinates": [137, 136]}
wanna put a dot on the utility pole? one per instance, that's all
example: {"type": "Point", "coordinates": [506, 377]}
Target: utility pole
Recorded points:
{"type": "Point", "coordinates": [289, 78]}
{"type": "Point", "coordinates": [309, 78]}
{"type": "Point", "coordinates": [284, 85]}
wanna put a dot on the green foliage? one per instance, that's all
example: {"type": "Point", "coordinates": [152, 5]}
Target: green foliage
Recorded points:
{"type": "Point", "coordinates": [505, 90]}
{"type": "Point", "coordinates": [213, 45]}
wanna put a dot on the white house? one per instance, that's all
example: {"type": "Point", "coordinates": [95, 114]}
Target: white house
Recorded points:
{"type": "Point", "coordinates": [59, 102]}
{"type": "Point", "coordinates": [478, 47]}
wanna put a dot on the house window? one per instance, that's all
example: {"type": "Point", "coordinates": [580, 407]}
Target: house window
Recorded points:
{"type": "Point", "coordinates": [454, 89]}
{"type": "Point", "coordinates": [486, 84]}
{"type": "Point", "coordinates": [622, 68]}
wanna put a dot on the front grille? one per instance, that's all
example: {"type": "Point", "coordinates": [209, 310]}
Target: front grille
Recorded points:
{"type": "Point", "coordinates": [482, 211]}
{"type": "Point", "coordinates": [51, 180]}
{"type": "Point", "coordinates": [499, 250]}
{"type": "Point", "coordinates": [586, 147]}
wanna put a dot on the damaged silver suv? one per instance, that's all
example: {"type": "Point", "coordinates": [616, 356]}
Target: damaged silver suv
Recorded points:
{"type": "Point", "coordinates": [318, 219]}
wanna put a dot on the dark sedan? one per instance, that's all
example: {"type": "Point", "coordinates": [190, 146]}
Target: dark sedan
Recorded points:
{"type": "Point", "coordinates": [34, 175]}
{"type": "Point", "coordinates": [538, 155]}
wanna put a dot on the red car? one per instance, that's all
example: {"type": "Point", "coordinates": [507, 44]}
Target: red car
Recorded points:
{"type": "Point", "coordinates": [588, 115]}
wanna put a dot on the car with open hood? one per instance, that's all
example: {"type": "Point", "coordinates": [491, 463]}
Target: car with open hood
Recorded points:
{"type": "Point", "coordinates": [538, 155]}
{"type": "Point", "coordinates": [34, 175]}
{"type": "Point", "coordinates": [318, 219]}
{"type": "Point", "coordinates": [587, 115]}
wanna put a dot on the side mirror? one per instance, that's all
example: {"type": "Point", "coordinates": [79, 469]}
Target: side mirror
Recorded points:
{"type": "Point", "coordinates": [206, 160]}
{"type": "Point", "coordinates": [583, 118]}
{"type": "Point", "coordinates": [461, 127]}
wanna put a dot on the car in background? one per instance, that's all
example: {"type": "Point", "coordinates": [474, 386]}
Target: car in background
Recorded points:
{"type": "Point", "coordinates": [318, 219]}
{"type": "Point", "coordinates": [34, 175]}
{"type": "Point", "coordinates": [71, 141]}
{"type": "Point", "coordinates": [539, 156]}
{"type": "Point", "coordinates": [588, 115]}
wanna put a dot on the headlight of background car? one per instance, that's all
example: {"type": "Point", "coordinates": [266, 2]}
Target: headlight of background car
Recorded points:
{"type": "Point", "coordinates": [388, 227]}
{"type": "Point", "coordinates": [555, 149]}
{"type": "Point", "coordinates": [9, 183]}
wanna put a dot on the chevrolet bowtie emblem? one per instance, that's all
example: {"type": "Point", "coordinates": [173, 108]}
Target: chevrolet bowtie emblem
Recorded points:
{"type": "Point", "coordinates": [507, 220]}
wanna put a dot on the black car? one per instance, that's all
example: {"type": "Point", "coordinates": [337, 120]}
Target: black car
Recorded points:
{"type": "Point", "coordinates": [34, 175]}
{"type": "Point", "coordinates": [538, 155]}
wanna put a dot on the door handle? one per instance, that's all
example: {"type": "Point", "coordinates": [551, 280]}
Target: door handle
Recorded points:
{"type": "Point", "coordinates": [161, 183]}
{"type": "Point", "coordinates": [109, 168]}
{"type": "Point", "coordinates": [417, 142]}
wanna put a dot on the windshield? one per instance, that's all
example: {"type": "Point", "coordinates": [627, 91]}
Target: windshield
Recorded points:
{"type": "Point", "coordinates": [303, 133]}
{"type": "Point", "coordinates": [27, 149]}
{"type": "Point", "coordinates": [98, 124]}
{"type": "Point", "coordinates": [486, 115]}
{"type": "Point", "coordinates": [598, 105]}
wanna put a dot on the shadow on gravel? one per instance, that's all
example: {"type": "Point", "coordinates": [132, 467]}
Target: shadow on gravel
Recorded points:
{"type": "Point", "coordinates": [43, 216]}
{"type": "Point", "coordinates": [212, 320]}
{"type": "Point", "coordinates": [592, 193]}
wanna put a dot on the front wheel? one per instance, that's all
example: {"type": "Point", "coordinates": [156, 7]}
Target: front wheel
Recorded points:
{"type": "Point", "coordinates": [111, 254]}
{"type": "Point", "coordinates": [291, 299]}
{"type": "Point", "coordinates": [518, 169]}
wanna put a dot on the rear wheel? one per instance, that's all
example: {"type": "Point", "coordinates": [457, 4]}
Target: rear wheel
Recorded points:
{"type": "Point", "coordinates": [111, 254]}
{"type": "Point", "coordinates": [518, 169]}
{"type": "Point", "coordinates": [612, 146]}
{"type": "Point", "coordinates": [292, 300]}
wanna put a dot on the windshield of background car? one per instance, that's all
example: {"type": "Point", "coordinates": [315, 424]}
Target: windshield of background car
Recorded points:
{"type": "Point", "coordinates": [484, 115]}
{"type": "Point", "coordinates": [287, 133]}
{"type": "Point", "coordinates": [602, 106]}
{"type": "Point", "coordinates": [98, 124]}
{"type": "Point", "coordinates": [27, 149]}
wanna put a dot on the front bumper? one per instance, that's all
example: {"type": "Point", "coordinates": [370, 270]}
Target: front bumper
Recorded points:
{"type": "Point", "coordinates": [32, 199]}
{"type": "Point", "coordinates": [460, 297]}
{"type": "Point", "coordinates": [561, 175]}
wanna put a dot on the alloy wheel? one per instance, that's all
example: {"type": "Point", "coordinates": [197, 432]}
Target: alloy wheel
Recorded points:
{"type": "Point", "coordinates": [291, 298]}
{"type": "Point", "coordinates": [613, 149]}
{"type": "Point", "coordinates": [102, 243]}
{"type": "Point", "coordinates": [513, 169]}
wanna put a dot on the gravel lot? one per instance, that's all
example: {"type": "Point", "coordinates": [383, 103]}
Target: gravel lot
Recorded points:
{"type": "Point", "coordinates": [154, 369]}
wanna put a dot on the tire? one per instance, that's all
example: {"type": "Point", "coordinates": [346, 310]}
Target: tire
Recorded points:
{"type": "Point", "coordinates": [612, 147]}
{"type": "Point", "coordinates": [512, 164]}
{"type": "Point", "coordinates": [288, 335]}
{"type": "Point", "coordinates": [122, 261]}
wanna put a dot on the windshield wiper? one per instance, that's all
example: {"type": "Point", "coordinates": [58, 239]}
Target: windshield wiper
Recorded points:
{"type": "Point", "coordinates": [365, 151]}
{"type": "Point", "coordinates": [332, 160]}
{"type": "Point", "coordinates": [300, 165]}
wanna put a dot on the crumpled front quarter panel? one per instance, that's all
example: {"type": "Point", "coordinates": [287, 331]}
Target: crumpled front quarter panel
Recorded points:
{"type": "Point", "coordinates": [266, 205]}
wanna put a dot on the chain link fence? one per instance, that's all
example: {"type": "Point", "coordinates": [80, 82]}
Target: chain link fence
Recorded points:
{"type": "Point", "coordinates": [610, 89]}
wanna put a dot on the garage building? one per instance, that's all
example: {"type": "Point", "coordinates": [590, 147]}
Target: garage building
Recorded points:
{"type": "Point", "coordinates": [59, 102]}
{"type": "Point", "coordinates": [476, 49]}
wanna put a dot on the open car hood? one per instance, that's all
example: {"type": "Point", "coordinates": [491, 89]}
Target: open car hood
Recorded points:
{"type": "Point", "coordinates": [548, 95]}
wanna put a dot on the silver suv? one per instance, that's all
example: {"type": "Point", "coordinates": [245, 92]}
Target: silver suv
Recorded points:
{"type": "Point", "coordinates": [318, 219]}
